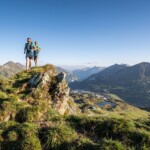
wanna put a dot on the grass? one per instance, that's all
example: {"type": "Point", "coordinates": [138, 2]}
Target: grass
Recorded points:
{"type": "Point", "coordinates": [19, 136]}
{"type": "Point", "coordinates": [112, 145]}
{"type": "Point", "coordinates": [121, 130]}
{"type": "Point", "coordinates": [122, 109]}
{"type": "Point", "coordinates": [28, 114]}
{"type": "Point", "coordinates": [115, 97]}
{"type": "Point", "coordinates": [21, 113]}
{"type": "Point", "coordinates": [31, 143]}
{"type": "Point", "coordinates": [57, 137]}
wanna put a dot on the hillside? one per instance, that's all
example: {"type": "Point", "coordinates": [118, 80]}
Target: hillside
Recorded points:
{"type": "Point", "coordinates": [108, 105]}
{"type": "Point", "coordinates": [131, 83]}
{"type": "Point", "coordinates": [38, 112]}
{"type": "Point", "coordinates": [10, 68]}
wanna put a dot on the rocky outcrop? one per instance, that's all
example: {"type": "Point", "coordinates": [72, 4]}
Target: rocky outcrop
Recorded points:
{"type": "Point", "coordinates": [52, 87]}
{"type": "Point", "coordinates": [30, 96]}
{"type": "Point", "coordinates": [60, 93]}
{"type": "Point", "coordinates": [40, 79]}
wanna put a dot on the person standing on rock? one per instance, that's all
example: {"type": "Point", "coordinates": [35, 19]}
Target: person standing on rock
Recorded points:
{"type": "Point", "coordinates": [37, 49]}
{"type": "Point", "coordinates": [28, 50]}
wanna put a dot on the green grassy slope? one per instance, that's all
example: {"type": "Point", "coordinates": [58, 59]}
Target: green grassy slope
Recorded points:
{"type": "Point", "coordinates": [27, 122]}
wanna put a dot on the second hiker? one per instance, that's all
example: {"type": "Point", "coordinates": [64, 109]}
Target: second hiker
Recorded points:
{"type": "Point", "coordinates": [37, 49]}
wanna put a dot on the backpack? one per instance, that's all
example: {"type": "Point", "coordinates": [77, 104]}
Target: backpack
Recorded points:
{"type": "Point", "coordinates": [29, 47]}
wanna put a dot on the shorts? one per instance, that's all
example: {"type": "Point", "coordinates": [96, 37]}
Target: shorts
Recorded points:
{"type": "Point", "coordinates": [29, 55]}
{"type": "Point", "coordinates": [36, 54]}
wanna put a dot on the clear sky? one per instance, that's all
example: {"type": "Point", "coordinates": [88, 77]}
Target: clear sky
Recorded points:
{"type": "Point", "coordinates": [77, 32]}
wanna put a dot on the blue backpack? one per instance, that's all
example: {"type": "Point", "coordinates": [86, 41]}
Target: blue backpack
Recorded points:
{"type": "Point", "coordinates": [29, 47]}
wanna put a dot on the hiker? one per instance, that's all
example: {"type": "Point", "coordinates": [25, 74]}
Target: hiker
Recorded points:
{"type": "Point", "coordinates": [28, 50]}
{"type": "Point", "coordinates": [37, 49]}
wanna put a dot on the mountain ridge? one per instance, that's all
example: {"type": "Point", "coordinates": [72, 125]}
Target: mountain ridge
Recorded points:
{"type": "Point", "coordinates": [10, 68]}
{"type": "Point", "coordinates": [86, 72]}
{"type": "Point", "coordinates": [129, 82]}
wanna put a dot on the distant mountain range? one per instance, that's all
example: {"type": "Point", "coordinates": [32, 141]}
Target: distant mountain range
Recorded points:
{"type": "Point", "coordinates": [86, 72]}
{"type": "Point", "coordinates": [131, 83]}
{"type": "Point", "coordinates": [10, 68]}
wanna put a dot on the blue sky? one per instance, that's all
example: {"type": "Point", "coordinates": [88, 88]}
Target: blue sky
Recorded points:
{"type": "Point", "coordinates": [76, 32]}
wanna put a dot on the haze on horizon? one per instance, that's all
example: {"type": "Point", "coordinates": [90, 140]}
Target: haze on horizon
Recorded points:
{"type": "Point", "coordinates": [77, 32]}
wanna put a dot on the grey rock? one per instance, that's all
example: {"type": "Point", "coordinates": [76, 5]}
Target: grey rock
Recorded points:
{"type": "Point", "coordinates": [61, 76]}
